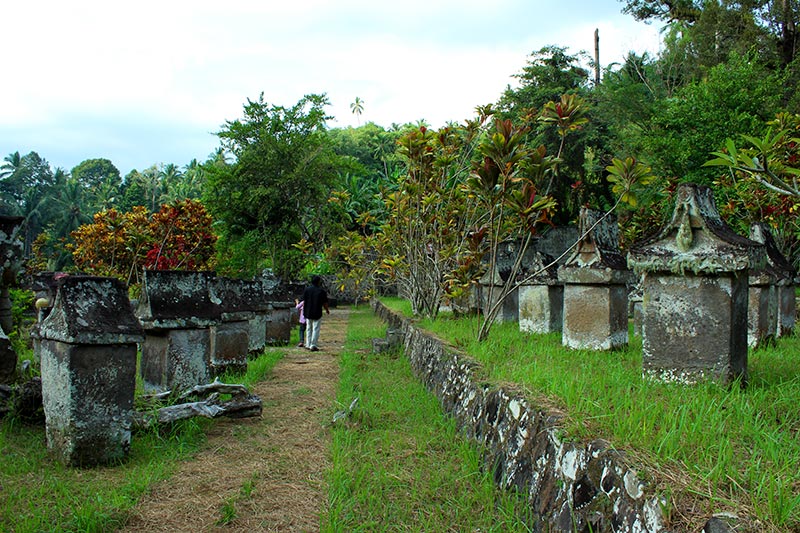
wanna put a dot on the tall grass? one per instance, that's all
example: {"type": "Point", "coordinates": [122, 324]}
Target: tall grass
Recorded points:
{"type": "Point", "coordinates": [39, 494]}
{"type": "Point", "coordinates": [398, 463]}
{"type": "Point", "coordinates": [736, 449]}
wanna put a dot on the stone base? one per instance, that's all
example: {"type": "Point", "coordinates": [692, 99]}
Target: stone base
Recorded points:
{"type": "Point", "coordinates": [541, 308]}
{"type": "Point", "coordinates": [229, 347]}
{"type": "Point", "coordinates": [176, 359]}
{"type": "Point", "coordinates": [257, 333]}
{"type": "Point", "coordinates": [595, 317]}
{"type": "Point", "coordinates": [695, 327]}
{"type": "Point", "coordinates": [88, 401]}
{"type": "Point", "coordinates": [279, 326]}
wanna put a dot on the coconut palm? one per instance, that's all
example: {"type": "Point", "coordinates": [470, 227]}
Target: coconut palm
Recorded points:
{"type": "Point", "coordinates": [357, 107]}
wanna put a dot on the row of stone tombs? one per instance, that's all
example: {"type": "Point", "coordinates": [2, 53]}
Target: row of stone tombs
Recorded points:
{"type": "Point", "coordinates": [700, 295]}
{"type": "Point", "coordinates": [190, 327]}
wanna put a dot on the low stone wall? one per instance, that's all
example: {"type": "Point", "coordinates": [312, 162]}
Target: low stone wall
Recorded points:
{"type": "Point", "coordinates": [570, 486]}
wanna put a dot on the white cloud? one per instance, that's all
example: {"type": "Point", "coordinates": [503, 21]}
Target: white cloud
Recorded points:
{"type": "Point", "coordinates": [92, 78]}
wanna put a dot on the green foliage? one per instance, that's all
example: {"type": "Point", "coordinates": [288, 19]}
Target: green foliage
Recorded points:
{"type": "Point", "coordinates": [735, 99]}
{"type": "Point", "coordinates": [279, 186]}
{"type": "Point", "coordinates": [626, 175]}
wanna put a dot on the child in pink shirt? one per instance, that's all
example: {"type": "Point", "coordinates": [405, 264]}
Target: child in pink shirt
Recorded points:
{"type": "Point", "coordinates": [299, 307]}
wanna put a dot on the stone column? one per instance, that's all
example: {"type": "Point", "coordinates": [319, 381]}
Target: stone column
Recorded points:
{"type": "Point", "coordinates": [177, 310]}
{"type": "Point", "coordinates": [695, 293]}
{"type": "Point", "coordinates": [88, 346]}
{"type": "Point", "coordinates": [11, 251]}
{"type": "Point", "coordinates": [596, 281]}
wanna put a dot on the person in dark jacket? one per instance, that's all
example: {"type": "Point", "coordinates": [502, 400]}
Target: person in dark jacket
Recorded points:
{"type": "Point", "coordinates": [315, 299]}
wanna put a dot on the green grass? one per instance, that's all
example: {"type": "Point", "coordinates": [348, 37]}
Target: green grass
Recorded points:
{"type": "Point", "coordinates": [39, 494]}
{"type": "Point", "coordinates": [729, 449]}
{"type": "Point", "coordinates": [398, 462]}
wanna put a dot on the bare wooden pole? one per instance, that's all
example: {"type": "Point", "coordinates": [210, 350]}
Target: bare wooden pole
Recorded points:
{"type": "Point", "coordinates": [596, 57]}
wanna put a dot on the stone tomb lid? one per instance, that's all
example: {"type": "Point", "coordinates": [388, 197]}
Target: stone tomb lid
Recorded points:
{"type": "Point", "coordinates": [532, 262]}
{"type": "Point", "coordinates": [238, 295]}
{"type": "Point", "coordinates": [92, 310]}
{"type": "Point", "coordinates": [696, 240]}
{"type": "Point", "coordinates": [178, 298]}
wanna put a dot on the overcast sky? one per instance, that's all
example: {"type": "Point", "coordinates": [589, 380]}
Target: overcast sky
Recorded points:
{"type": "Point", "coordinates": [150, 82]}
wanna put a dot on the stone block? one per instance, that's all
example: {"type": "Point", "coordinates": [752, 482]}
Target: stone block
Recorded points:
{"type": "Point", "coordinates": [229, 347]}
{"type": "Point", "coordinates": [695, 293]}
{"type": "Point", "coordinates": [279, 326]}
{"type": "Point", "coordinates": [762, 311]}
{"type": "Point", "coordinates": [695, 327]}
{"type": "Point", "coordinates": [176, 359]}
{"type": "Point", "coordinates": [541, 308]}
{"type": "Point", "coordinates": [257, 332]}
{"type": "Point", "coordinates": [87, 393]}
{"type": "Point", "coordinates": [595, 317]}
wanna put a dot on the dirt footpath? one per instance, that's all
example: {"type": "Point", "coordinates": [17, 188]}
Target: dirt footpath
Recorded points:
{"type": "Point", "coordinates": [262, 474]}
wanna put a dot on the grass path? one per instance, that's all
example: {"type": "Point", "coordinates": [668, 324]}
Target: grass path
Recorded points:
{"type": "Point", "coordinates": [263, 474]}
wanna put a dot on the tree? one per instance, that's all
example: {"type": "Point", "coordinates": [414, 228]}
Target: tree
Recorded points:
{"type": "Point", "coordinates": [357, 107]}
{"type": "Point", "coordinates": [275, 194]}
{"type": "Point", "coordinates": [121, 245]}
{"type": "Point", "coordinates": [715, 28]}
{"type": "Point", "coordinates": [92, 173]}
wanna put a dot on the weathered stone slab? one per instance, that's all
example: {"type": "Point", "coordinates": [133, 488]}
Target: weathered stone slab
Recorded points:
{"type": "Point", "coordinates": [178, 299]}
{"type": "Point", "coordinates": [177, 310]}
{"type": "Point", "coordinates": [229, 346]}
{"type": "Point", "coordinates": [541, 308]}
{"type": "Point", "coordinates": [88, 350]}
{"type": "Point", "coordinates": [175, 359]}
{"type": "Point", "coordinates": [695, 327]}
{"type": "Point", "coordinates": [493, 281]}
{"type": "Point", "coordinates": [540, 296]}
{"type": "Point", "coordinates": [780, 272]}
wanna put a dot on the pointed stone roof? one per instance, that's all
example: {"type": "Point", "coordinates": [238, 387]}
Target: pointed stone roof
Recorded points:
{"type": "Point", "coordinates": [696, 240]}
{"type": "Point", "coordinates": [777, 264]}
{"type": "Point", "coordinates": [598, 245]}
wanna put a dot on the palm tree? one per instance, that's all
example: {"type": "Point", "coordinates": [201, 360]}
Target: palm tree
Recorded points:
{"type": "Point", "coordinates": [12, 163]}
{"type": "Point", "coordinates": [357, 107]}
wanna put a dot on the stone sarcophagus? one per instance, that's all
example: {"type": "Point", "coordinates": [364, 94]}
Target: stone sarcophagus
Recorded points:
{"type": "Point", "coordinates": [695, 293]}
{"type": "Point", "coordinates": [87, 347]}
{"type": "Point", "coordinates": [596, 280]}
{"type": "Point", "coordinates": [177, 310]}
{"type": "Point", "coordinates": [230, 338]}
{"type": "Point", "coordinates": [493, 281]}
